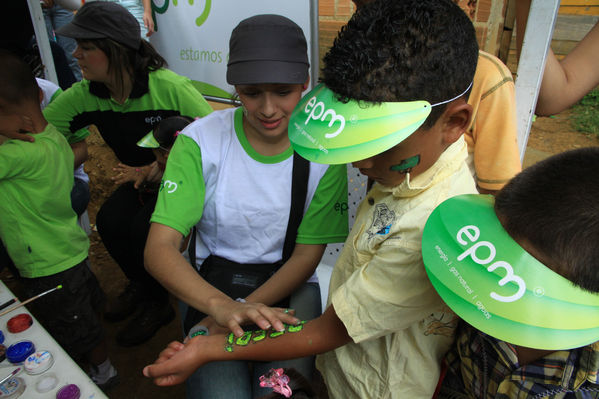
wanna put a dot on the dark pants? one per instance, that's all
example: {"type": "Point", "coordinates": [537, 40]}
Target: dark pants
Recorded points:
{"type": "Point", "coordinates": [123, 222]}
{"type": "Point", "coordinates": [70, 314]}
{"type": "Point", "coordinates": [80, 196]}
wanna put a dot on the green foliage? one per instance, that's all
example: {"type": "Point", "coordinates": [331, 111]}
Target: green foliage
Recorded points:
{"type": "Point", "coordinates": [585, 115]}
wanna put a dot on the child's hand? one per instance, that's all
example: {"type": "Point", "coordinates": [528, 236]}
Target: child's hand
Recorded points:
{"type": "Point", "coordinates": [12, 127]}
{"type": "Point", "coordinates": [148, 22]}
{"type": "Point", "coordinates": [135, 174]}
{"type": "Point", "coordinates": [177, 362]}
{"type": "Point", "coordinates": [154, 173]}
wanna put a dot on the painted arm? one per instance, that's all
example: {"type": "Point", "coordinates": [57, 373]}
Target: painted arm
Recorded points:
{"type": "Point", "coordinates": [178, 361]}
{"type": "Point", "coordinates": [164, 261]}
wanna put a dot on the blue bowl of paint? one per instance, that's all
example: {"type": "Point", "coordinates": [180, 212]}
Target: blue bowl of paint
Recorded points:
{"type": "Point", "coordinates": [19, 351]}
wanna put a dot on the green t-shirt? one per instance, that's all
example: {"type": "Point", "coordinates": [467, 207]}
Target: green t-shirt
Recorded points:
{"type": "Point", "coordinates": [162, 95]}
{"type": "Point", "coordinates": [37, 224]}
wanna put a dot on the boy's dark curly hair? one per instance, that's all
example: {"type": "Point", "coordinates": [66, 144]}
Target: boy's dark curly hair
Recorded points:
{"type": "Point", "coordinates": [553, 206]}
{"type": "Point", "coordinates": [403, 50]}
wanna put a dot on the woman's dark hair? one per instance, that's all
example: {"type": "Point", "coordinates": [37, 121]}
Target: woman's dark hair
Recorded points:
{"type": "Point", "coordinates": [138, 63]}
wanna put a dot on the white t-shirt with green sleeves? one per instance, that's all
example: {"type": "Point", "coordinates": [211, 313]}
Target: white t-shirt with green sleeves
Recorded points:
{"type": "Point", "coordinates": [239, 199]}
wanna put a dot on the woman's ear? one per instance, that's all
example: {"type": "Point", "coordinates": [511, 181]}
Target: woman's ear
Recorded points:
{"type": "Point", "coordinates": [456, 119]}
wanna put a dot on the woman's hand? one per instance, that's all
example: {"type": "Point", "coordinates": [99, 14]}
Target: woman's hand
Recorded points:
{"type": "Point", "coordinates": [177, 362]}
{"type": "Point", "coordinates": [232, 314]}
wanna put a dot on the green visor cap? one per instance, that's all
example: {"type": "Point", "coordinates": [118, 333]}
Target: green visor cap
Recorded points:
{"type": "Point", "coordinates": [325, 130]}
{"type": "Point", "coordinates": [492, 283]}
{"type": "Point", "coordinates": [148, 141]}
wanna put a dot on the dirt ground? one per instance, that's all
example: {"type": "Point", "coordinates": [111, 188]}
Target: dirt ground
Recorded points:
{"type": "Point", "coordinates": [548, 136]}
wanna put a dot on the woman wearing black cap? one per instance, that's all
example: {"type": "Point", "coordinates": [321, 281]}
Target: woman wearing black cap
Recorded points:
{"type": "Point", "coordinates": [126, 91]}
{"type": "Point", "coordinates": [233, 175]}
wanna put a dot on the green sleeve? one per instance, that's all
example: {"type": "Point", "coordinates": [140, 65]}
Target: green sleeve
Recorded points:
{"type": "Point", "coordinates": [326, 220]}
{"type": "Point", "coordinates": [181, 197]}
{"type": "Point", "coordinates": [56, 94]}
{"type": "Point", "coordinates": [63, 108]}
{"type": "Point", "coordinates": [191, 102]}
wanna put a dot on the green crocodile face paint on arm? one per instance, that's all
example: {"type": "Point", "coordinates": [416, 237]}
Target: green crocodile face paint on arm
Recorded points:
{"type": "Point", "coordinates": [259, 335]}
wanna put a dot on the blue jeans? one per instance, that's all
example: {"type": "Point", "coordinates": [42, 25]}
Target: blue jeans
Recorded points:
{"type": "Point", "coordinates": [56, 17]}
{"type": "Point", "coordinates": [240, 379]}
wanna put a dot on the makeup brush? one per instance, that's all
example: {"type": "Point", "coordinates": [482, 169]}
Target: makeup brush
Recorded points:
{"type": "Point", "coordinates": [33, 298]}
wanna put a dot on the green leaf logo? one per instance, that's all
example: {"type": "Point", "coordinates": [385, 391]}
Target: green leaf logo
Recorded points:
{"type": "Point", "coordinates": [162, 9]}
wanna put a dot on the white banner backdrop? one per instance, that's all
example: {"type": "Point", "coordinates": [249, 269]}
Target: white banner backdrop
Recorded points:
{"type": "Point", "coordinates": [193, 35]}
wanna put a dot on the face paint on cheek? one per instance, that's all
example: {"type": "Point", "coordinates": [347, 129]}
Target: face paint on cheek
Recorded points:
{"type": "Point", "coordinates": [406, 165]}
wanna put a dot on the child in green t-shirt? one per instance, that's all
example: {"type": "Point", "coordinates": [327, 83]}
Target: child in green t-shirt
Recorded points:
{"type": "Point", "coordinates": [39, 227]}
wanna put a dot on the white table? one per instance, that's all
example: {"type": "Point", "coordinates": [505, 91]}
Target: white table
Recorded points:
{"type": "Point", "coordinates": [65, 368]}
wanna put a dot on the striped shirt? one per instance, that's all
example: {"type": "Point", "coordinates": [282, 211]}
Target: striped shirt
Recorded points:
{"type": "Point", "coordinates": [480, 366]}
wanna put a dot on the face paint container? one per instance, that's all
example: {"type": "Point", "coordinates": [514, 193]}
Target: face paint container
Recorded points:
{"type": "Point", "coordinates": [38, 362]}
{"type": "Point", "coordinates": [19, 323]}
{"type": "Point", "coordinates": [19, 351]}
{"type": "Point", "coordinates": [2, 353]}
{"type": "Point", "coordinates": [196, 330]}
{"type": "Point", "coordinates": [1, 337]}
{"type": "Point", "coordinates": [70, 391]}
{"type": "Point", "coordinates": [12, 388]}
{"type": "Point", "coordinates": [46, 383]}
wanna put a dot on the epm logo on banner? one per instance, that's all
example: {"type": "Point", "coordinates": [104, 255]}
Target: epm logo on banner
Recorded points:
{"type": "Point", "coordinates": [162, 9]}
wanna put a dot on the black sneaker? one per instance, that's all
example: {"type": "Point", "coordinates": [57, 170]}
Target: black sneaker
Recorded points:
{"type": "Point", "coordinates": [150, 317]}
{"type": "Point", "coordinates": [125, 304]}
{"type": "Point", "coordinates": [107, 385]}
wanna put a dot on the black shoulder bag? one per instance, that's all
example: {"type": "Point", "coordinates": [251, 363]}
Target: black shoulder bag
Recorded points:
{"type": "Point", "coordinates": [238, 280]}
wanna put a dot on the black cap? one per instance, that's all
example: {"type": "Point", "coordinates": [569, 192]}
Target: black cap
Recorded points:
{"type": "Point", "coordinates": [165, 133]}
{"type": "Point", "coordinates": [104, 19]}
{"type": "Point", "coordinates": [267, 49]}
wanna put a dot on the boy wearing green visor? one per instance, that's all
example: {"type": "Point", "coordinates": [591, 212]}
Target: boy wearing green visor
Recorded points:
{"type": "Point", "coordinates": [393, 103]}
{"type": "Point", "coordinates": [521, 271]}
